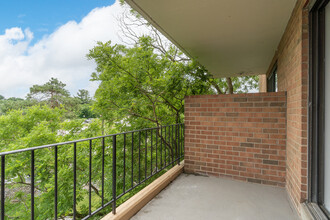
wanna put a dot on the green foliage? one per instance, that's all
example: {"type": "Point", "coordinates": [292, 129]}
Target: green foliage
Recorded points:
{"type": "Point", "coordinates": [141, 88]}
{"type": "Point", "coordinates": [14, 104]}
{"type": "Point", "coordinates": [40, 125]}
{"type": "Point", "coordinates": [52, 92]}
{"type": "Point", "coordinates": [83, 96]}
{"type": "Point", "coordinates": [36, 126]}
{"type": "Point", "coordinates": [245, 84]}
{"type": "Point", "coordinates": [18, 127]}
{"type": "Point", "coordinates": [86, 111]}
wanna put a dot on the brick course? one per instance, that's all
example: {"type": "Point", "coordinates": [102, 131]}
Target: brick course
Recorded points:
{"type": "Point", "coordinates": [240, 136]}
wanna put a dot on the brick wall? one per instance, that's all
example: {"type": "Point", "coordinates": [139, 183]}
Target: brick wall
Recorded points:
{"type": "Point", "coordinates": [292, 61]}
{"type": "Point", "coordinates": [238, 136]}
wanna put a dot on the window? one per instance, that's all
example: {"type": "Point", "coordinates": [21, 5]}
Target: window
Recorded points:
{"type": "Point", "coordinates": [319, 106]}
{"type": "Point", "coordinates": [272, 80]}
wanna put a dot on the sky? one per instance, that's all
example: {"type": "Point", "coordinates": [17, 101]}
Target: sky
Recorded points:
{"type": "Point", "coordinates": [40, 39]}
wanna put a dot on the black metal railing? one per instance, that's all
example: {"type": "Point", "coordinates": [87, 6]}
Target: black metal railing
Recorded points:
{"type": "Point", "coordinates": [100, 170]}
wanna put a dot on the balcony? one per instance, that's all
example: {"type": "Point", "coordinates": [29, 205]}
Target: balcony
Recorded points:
{"type": "Point", "coordinates": [233, 137]}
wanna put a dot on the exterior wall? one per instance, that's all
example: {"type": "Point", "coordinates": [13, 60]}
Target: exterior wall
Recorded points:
{"type": "Point", "coordinates": [262, 83]}
{"type": "Point", "coordinates": [292, 70]}
{"type": "Point", "coordinates": [238, 136]}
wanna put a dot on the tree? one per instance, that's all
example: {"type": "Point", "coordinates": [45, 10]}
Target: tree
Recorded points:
{"type": "Point", "coordinates": [142, 87]}
{"type": "Point", "coordinates": [83, 96]}
{"type": "Point", "coordinates": [2, 97]}
{"type": "Point", "coordinates": [14, 103]}
{"type": "Point", "coordinates": [52, 92]}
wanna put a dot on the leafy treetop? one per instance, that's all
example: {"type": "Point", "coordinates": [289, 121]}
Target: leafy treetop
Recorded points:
{"type": "Point", "coordinates": [52, 92]}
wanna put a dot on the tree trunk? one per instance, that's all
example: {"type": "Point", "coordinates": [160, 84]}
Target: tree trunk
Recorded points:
{"type": "Point", "coordinates": [230, 85]}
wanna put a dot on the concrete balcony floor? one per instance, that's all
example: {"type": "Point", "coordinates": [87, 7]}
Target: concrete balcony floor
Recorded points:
{"type": "Point", "coordinates": [197, 197]}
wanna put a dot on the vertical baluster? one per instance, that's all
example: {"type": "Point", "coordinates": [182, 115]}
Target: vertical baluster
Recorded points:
{"type": "Point", "coordinates": [182, 141]}
{"type": "Point", "coordinates": [132, 162]}
{"type": "Point", "coordinates": [103, 149]}
{"type": "Point", "coordinates": [173, 144]}
{"type": "Point", "coordinates": [179, 139]}
{"type": "Point", "coordinates": [74, 178]}
{"type": "Point", "coordinates": [170, 144]}
{"type": "Point", "coordinates": [145, 155]}
{"type": "Point", "coordinates": [124, 181]}
{"type": "Point", "coordinates": [3, 187]}
{"type": "Point", "coordinates": [161, 147]}
{"type": "Point", "coordinates": [177, 144]}
{"type": "Point", "coordinates": [165, 147]}
{"type": "Point", "coordinates": [114, 174]}
{"type": "Point", "coordinates": [90, 179]}
{"type": "Point", "coordinates": [139, 156]}
{"type": "Point", "coordinates": [32, 184]}
{"type": "Point", "coordinates": [157, 132]}
{"type": "Point", "coordinates": [178, 134]}
{"type": "Point", "coordinates": [55, 180]}
{"type": "Point", "coordinates": [151, 152]}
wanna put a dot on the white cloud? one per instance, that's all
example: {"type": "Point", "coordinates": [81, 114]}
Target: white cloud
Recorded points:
{"type": "Point", "coordinates": [61, 54]}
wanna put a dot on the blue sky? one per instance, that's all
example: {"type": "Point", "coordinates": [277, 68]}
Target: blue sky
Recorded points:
{"type": "Point", "coordinates": [50, 38]}
{"type": "Point", "coordinates": [44, 16]}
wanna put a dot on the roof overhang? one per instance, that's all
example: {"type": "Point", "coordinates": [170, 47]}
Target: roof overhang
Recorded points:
{"type": "Point", "coordinates": [228, 37]}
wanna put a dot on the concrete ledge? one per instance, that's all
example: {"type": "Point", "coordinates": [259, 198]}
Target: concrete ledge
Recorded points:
{"type": "Point", "coordinates": [139, 200]}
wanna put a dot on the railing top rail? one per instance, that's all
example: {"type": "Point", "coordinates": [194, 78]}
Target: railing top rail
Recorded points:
{"type": "Point", "coordinates": [80, 140]}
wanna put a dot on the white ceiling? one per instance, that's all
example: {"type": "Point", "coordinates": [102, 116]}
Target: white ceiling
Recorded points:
{"type": "Point", "coordinates": [228, 37]}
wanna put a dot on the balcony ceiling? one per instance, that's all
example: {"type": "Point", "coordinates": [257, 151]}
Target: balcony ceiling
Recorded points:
{"type": "Point", "coordinates": [229, 37]}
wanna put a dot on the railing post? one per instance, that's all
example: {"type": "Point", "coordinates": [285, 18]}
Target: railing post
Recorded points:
{"type": "Point", "coordinates": [114, 173]}
{"type": "Point", "coordinates": [74, 178]}
{"type": "Point", "coordinates": [161, 147]}
{"type": "Point", "coordinates": [32, 184]}
{"type": "Point", "coordinates": [183, 139]}
{"type": "Point", "coordinates": [177, 143]}
{"type": "Point", "coordinates": [140, 156]}
{"type": "Point", "coordinates": [3, 187]}
{"type": "Point", "coordinates": [90, 179]}
{"type": "Point", "coordinates": [145, 155]}
{"type": "Point", "coordinates": [124, 165]}
{"type": "Point", "coordinates": [172, 142]}
{"type": "Point", "coordinates": [55, 179]}
{"type": "Point", "coordinates": [103, 149]}
{"type": "Point", "coordinates": [132, 160]}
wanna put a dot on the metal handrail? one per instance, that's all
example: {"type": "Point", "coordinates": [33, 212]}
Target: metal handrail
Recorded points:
{"type": "Point", "coordinates": [171, 136]}
{"type": "Point", "coordinates": [77, 141]}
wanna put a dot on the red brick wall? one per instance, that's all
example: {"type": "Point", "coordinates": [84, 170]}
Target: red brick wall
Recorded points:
{"type": "Point", "coordinates": [292, 60]}
{"type": "Point", "coordinates": [239, 136]}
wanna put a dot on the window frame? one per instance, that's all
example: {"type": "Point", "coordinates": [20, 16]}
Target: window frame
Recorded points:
{"type": "Point", "coordinates": [272, 80]}
{"type": "Point", "coordinates": [316, 105]}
